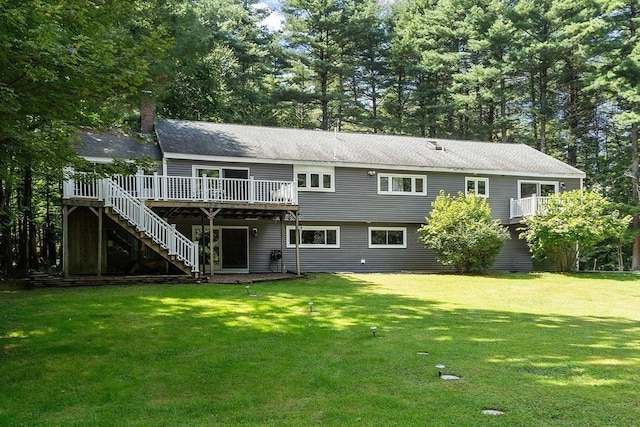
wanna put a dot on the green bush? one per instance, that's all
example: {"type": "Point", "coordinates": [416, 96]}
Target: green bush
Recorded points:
{"type": "Point", "coordinates": [462, 233]}
{"type": "Point", "coordinates": [571, 223]}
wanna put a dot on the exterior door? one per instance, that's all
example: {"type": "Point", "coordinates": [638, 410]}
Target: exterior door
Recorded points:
{"type": "Point", "coordinates": [539, 188]}
{"type": "Point", "coordinates": [235, 249]}
{"type": "Point", "coordinates": [230, 248]}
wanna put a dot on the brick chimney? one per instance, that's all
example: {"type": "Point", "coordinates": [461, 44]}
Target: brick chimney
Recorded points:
{"type": "Point", "coordinates": [147, 112]}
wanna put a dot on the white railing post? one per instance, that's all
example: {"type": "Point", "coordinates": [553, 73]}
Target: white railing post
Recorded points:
{"type": "Point", "coordinates": [534, 204]}
{"type": "Point", "coordinates": [101, 188]}
{"type": "Point", "coordinates": [205, 187]}
{"type": "Point", "coordinates": [165, 188]}
{"type": "Point", "coordinates": [195, 259]}
{"type": "Point", "coordinates": [140, 185]}
{"type": "Point", "coordinates": [252, 190]}
{"type": "Point", "coordinates": [171, 247]}
{"type": "Point", "coordinates": [140, 217]}
{"type": "Point", "coordinates": [156, 186]}
{"type": "Point", "coordinates": [67, 189]}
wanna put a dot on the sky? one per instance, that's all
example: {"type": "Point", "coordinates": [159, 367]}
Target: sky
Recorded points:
{"type": "Point", "coordinates": [275, 20]}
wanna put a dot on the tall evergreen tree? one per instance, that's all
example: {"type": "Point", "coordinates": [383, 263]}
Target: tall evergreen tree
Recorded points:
{"type": "Point", "coordinates": [616, 60]}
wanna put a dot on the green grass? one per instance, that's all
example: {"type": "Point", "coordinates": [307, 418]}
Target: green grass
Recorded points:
{"type": "Point", "coordinates": [549, 350]}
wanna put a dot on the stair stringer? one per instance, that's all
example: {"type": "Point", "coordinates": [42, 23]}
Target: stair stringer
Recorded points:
{"type": "Point", "coordinates": [163, 252]}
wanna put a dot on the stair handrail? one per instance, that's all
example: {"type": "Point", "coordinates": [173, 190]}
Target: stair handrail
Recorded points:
{"type": "Point", "coordinates": [151, 224]}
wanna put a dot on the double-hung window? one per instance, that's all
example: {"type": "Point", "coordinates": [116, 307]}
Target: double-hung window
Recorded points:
{"type": "Point", "coordinates": [387, 237]}
{"type": "Point", "coordinates": [477, 186]}
{"type": "Point", "coordinates": [315, 178]}
{"type": "Point", "coordinates": [402, 184]}
{"type": "Point", "coordinates": [314, 237]}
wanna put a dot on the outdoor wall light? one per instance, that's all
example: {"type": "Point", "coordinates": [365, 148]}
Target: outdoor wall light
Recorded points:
{"type": "Point", "coordinates": [371, 173]}
{"type": "Point", "coordinates": [254, 231]}
{"type": "Point", "coordinates": [562, 185]}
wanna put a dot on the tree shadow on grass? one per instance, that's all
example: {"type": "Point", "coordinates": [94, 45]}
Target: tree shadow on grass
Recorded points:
{"type": "Point", "coordinates": [255, 356]}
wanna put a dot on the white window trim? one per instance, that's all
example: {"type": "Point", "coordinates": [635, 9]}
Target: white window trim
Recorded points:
{"type": "Point", "coordinates": [320, 170]}
{"type": "Point", "coordinates": [476, 180]}
{"type": "Point", "coordinates": [387, 246]}
{"type": "Point", "coordinates": [220, 169]}
{"type": "Point", "coordinates": [556, 184]}
{"type": "Point", "coordinates": [389, 191]}
{"type": "Point", "coordinates": [313, 228]}
{"type": "Point", "coordinates": [196, 168]}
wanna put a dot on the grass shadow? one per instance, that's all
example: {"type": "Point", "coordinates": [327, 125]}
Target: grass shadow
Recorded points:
{"type": "Point", "coordinates": [203, 354]}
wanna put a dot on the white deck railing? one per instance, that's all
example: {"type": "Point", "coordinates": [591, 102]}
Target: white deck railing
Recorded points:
{"type": "Point", "coordinates": [184, 188]}
{"type": "Point", "coordinates": [529, 206]}
{"type": "Point", "coordinates": [147, 221]}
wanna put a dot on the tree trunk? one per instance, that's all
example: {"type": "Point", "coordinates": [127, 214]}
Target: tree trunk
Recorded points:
{"type": "Point", "coordinates": [6, 257]}
{"type": "Point", "coordinates": [27, 243]}
{"type": "Point", "coordinates": [635, 257]}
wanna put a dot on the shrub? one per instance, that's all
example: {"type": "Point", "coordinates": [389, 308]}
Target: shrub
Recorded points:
{"type": "Point", "coordinates": [572, 222]}
{"type": "Point", "coordinates": [462, 233]}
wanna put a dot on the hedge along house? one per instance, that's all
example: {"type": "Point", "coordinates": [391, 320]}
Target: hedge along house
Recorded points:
{"type": "Point", "coordinates": [236, 198]}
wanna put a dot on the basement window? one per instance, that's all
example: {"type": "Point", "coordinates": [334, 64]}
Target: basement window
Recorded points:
{"type": "Point", "coordinates": [387, 237]}
{"type": "Point", "coordinates": [314, 237]}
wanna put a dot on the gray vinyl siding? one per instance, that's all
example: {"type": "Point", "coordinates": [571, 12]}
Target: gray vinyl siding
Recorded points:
{"type": "Point", "coordinates": [354, 247]}
{"type": "Point", "coordinates": [514, 255]}
{"type": "Point", "coordinates": [356, 205]}
{"type": "Point", "coordinates": [275, 172]}
{"type": "Point", "coordinates": [356, 197]}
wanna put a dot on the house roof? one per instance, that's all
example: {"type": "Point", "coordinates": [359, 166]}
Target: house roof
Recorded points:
{"type": "Point", "coordinates": [204, 140]}
{"type": "Point", "coordinates": [116, 146]}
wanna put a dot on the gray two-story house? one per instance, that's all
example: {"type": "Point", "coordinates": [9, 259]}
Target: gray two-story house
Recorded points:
{"type": "Point", "coordinates": [236, 198]}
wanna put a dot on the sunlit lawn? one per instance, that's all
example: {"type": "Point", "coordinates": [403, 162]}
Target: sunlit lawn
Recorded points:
{"type": "Point", "coordinates": [546, 349]}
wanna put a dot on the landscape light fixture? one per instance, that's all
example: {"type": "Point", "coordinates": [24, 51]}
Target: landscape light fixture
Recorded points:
{"type": "Point", "coordinates": [374, 329]}
{"type": "Point", "coordinates": [310, 307]}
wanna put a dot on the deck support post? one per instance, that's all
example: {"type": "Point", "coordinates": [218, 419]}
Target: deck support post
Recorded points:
{"type": "Point", "coordinates": [66, 211]}
{"type": "Point", "coordinates": [99, 268]}
{"type": "Point", "coordinates": [65, 241]}
{"type": "Point", "coordinates": [297, 243]}
{"type": "Point", "coordinates": [211, 214]}
{"type": "Point", "coordinates": [282, 243]}
{"type": "Point", "coordinates": [98, 213]}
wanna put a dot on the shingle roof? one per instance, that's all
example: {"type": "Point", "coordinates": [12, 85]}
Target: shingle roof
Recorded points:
{"type": "Point", "coordinates": [191, 138]}
{"type": "Point", "coordinates": [117, 146]}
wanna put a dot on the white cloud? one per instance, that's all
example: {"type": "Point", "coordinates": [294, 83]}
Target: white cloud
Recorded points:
{"type": "Point", "coordinates": [275, 20]}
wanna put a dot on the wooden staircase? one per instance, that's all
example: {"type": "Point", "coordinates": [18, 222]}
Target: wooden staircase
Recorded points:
{"type": "Point", "coordinates": [144, 224]}
{"type": "Point", "coordinates": [148, 241]}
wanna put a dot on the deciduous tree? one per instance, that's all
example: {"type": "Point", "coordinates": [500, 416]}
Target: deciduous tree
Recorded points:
{"type": "Point", "coordinates": [572, 222]}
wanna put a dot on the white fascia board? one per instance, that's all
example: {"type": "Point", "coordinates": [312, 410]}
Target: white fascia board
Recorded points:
{"type": "Point", "coordinates": [201, 157]}
{"type": "Point", "coordinates": [93, 159]}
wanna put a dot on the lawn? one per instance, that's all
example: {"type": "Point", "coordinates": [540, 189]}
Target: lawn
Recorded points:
{"type": "Point", "coordinates": [547, 350]}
